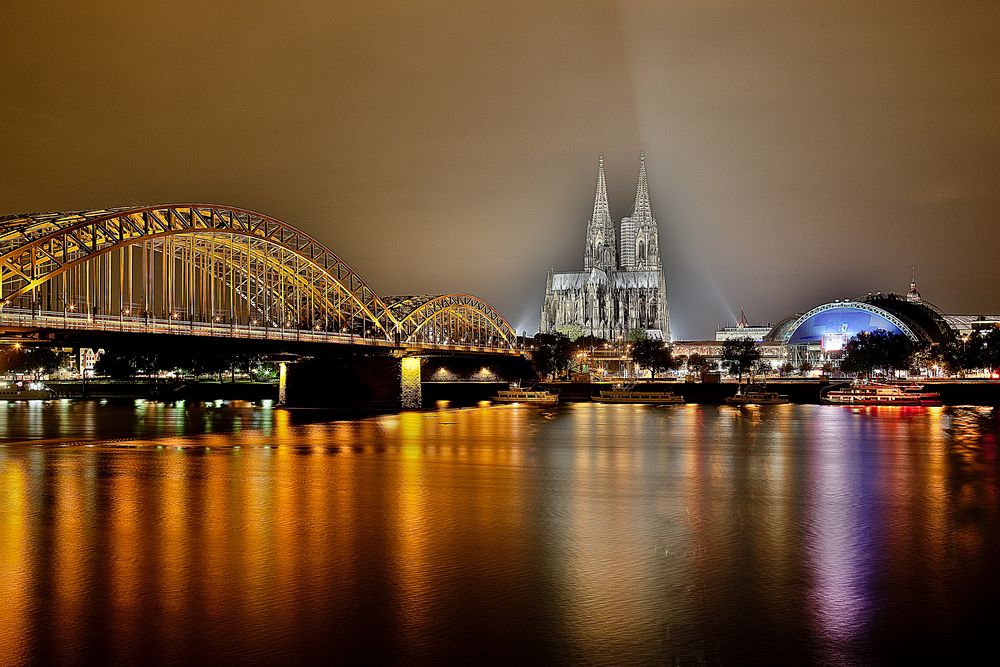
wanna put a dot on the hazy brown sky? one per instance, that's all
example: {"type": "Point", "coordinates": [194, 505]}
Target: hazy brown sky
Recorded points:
{"type": "Point", "coordinates": [797, 151]}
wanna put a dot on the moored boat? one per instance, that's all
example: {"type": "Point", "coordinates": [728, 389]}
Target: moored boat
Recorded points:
{"type": "Point", "coordinates": [518, 395]}
{"type": "Point", "coordinates": [875, 393]}
{"type": "Point", "coordinates": [632, 395]}
{"type": "Point", "coordinates": [756, 397]}
{"type": "Point", "coordinates": [24, 391]}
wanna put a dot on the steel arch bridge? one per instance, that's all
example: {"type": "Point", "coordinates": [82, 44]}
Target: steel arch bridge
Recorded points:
{"type": "Point", "coordinates": [215, 270]}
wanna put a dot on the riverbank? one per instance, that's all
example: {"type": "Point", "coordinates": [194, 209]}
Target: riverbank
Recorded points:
{"type": "Point", "coordinates": [953, 392]}
{"type": "Point", "coordinates": [165, 391]}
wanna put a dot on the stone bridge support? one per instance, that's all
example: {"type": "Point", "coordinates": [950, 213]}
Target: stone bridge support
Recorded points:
{"type": "Point", "coordinates": [410, 385]}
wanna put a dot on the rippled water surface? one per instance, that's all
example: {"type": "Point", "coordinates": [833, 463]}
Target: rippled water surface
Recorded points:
{"type": "Point", "coordinates": [583, 534]}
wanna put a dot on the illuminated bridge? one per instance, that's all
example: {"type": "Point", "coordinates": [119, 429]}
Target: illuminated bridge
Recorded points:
{"type": "Point", "coordinates": [209, 270]}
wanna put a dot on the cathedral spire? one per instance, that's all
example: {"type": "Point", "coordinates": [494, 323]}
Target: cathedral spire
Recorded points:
{"type": "Point", "coordinates": [642, 212]}
{"type": "Point", "coordinates": [601, 250]}
{"type": "Point", "coordinates": [601, 211]}
{"type": "Point", "coordinates": [640, 248]}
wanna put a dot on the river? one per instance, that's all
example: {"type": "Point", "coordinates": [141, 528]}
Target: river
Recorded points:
{"type": "Point", "coordinates": [580, 534]}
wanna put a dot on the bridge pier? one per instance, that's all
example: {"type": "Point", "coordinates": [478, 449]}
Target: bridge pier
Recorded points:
{"type": "Point", "coordinates": [282, 382]}
{"type": "Point", "coordinates": [411, 390]}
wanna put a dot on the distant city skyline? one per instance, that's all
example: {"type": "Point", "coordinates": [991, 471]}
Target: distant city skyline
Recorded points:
{"type": "Point", "coordinates": [798, 153]}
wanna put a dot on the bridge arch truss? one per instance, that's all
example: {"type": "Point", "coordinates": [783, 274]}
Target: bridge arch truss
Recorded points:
{"type": "Point", "coordinates": [199, 264]}
{"type": "Point", "coordinates": [450, 318]}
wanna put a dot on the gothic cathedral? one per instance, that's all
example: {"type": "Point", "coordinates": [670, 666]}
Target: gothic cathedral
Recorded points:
{"type": "Point", "coordinates": [621, 287]}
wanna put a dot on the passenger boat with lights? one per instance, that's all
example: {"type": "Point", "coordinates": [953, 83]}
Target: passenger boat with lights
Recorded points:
{"type": "Point", "coordinates": [633, 395]}
{"type": "Point", "coordinates": [756, 397]}
{"type": "Point", "coordinates": [518, 395]}
{"type": "Point", "coordinates": [24, 391]}
{"type": "Point", "coordinates": [875, 393]}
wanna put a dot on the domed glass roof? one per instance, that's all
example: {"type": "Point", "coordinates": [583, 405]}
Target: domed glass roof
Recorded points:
{"type": "Point", "coordinates": [847, 319]}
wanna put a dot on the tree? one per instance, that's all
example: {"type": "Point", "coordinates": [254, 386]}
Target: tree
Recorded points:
{"type": "Point", "coordinates": [42, 361]}
{"type": "Point", "coordinates": [551, 354]}
{"type": "Point", "coordinates": [805, 367]}
{"type": "Point", "coordinates": [636, 335]}
{"type": "Point", "coordinates": [37, 361]}
{"type": "Point", "coordinates": [992, 353]}
{"type": "Point", "coordinates": [570, 331]}
{"type": "Point", "coordinates": [868, 351]}
{"type": "Point", "coordinates": [827, 367]}
{"type": "Point", "coordinates": [654, 355]}
{"type": "Point", "coordinates": [588, 343]}
{"type": "Point", "coordinates": [762, 367]}
{"type": "Point", "coordinates": [786, 368]}
{"type": "Point", "coordinates": [697, 363]}
{"type": "Point", "coordinates": [739, 355]}
{"type": "Point", "coordinates": [974, 354]}
{"type": "Point", "coordinates": [947, 354]}
{"type": "Point", "coordinates": [117, 364]}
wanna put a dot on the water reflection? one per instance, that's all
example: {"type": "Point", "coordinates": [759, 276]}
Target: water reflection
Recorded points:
{"type": "Point", "coordinates": [583, 533]}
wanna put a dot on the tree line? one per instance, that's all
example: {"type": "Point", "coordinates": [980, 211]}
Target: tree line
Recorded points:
{"type": "Point", "coordinates": [865, 355]}
{"type": "Point", "coordinates": [880, 352]}
{"type": "Point", "coordinates": [128, 363]}
{"type": "Point", "coordinates": [552, 355]}
{"type": "Point", "coordinates": [34, 361]}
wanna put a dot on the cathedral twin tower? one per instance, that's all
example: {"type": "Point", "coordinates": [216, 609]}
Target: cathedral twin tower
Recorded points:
{"type": "Point", "coordinates": [618, 291]}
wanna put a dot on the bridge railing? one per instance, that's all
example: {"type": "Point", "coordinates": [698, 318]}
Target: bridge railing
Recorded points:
{"type": "Point", "coordinates": [70, 320]}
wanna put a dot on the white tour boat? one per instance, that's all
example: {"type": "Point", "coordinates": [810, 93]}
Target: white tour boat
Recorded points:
{"type": "Point", "coordinates": [875, 393]}
{"type": "Point", "coordinates": [632, 395]}
{"type": "Point", "coordinates": [518, 395]}
{"type": "Point", "coordinates": [756, 397]}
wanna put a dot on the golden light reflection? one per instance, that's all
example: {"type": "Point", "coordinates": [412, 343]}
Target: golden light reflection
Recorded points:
{"type": "Point", "coordinates": [411, 534]}
{"type": "Point", "coordinates": [126, 570]}
{"type": "Point", "coordinates": [604, 593]}
{"type": "Point", "coordinates": [15, 563]}
{"type": "Point", "coordinates": [619, 520]}
{"type": "Point", "coordinates": [170, 498]}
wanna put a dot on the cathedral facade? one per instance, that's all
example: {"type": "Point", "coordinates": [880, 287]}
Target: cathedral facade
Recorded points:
{"type": "Point", "coordinates": [621, 287]}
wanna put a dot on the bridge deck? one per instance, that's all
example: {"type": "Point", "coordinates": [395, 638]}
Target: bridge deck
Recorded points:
{"type": "Point", "coordinates": [73, 321]}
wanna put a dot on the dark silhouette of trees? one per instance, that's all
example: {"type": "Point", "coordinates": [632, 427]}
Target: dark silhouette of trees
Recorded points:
{"type": "Point", "coordinates": [697, 363]}
{"type": "Point", "coordinates": [551, 354]}
{"type": "Point", "coordinates": [654, 355]}
{"type": "Point", "coordinates": [125, 364]}
{"type": "Point", "coordinates": [977, 350]}
{"type": "Point", "coordinates": [588, 343]}
{"type": "Point", "coordinates": [739, 356]}
{"type": "Point", "coordinates": [973, 351]}
{"type": "Point", "coordinates": [36, 361]}
{"type": "Point", "coordinates": [131, 362]}
{"type": "Point", "coordinates": [877, 350]}
{"type": "Point", "coordinates": [991, 356]}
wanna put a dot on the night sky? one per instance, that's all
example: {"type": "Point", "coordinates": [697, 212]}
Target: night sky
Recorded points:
{"type": "Point", "coordinates": [798, 152]}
